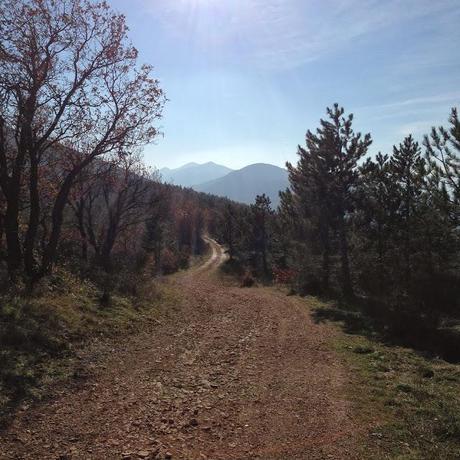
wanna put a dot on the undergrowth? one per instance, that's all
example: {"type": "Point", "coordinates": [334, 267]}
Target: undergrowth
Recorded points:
{"type": "Point", "coordinates": [40, 336]}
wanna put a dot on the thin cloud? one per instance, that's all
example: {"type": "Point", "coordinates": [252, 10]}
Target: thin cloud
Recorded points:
{"type": "Point", "coordinates": [442, 98]}
{"type": "Point", "coordinates": [417, 128]}
{"type": "Point", "coordinates": [286, 33]}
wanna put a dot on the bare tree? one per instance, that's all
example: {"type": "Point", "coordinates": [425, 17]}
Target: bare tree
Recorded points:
{"type": "Point", "coordinates": [157, 224]}
{"type": "Point", "coordinates": [70, 91]}
{"type": "Point", "coordinates": [116, 201]}
{"type": "Point", "coordinates": [82, 196]}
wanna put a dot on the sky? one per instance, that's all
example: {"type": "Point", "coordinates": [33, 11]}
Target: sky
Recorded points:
{"type": "Point", "coordinates": [245, 79]}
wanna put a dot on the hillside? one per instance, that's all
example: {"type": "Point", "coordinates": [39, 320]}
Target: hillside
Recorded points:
{"type": "Point", "coordinates": [245, 184]}
{"type": "Point", "coordinates": [193, 173]}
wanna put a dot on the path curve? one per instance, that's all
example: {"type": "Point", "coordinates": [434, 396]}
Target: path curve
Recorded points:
{"type": "Point", "coordinates": [218, 255]}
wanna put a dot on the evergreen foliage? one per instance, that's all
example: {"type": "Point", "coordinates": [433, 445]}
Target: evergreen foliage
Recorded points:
{"type": "Point", "coordinates": [385, 229]}
{"type": "Point", "coordinates": [382, 231]}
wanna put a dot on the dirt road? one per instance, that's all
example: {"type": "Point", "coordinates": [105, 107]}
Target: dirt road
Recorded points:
{"type": "Point", "coordinates": [232, 374]}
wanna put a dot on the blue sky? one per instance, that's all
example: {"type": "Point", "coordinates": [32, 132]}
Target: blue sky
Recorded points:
{"type": "Point", "coordinates": [246, 78]}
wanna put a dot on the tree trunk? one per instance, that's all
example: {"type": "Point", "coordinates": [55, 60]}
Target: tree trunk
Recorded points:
{"type": "Point", "coordinates": [109, 242]}
{"type": "Point", "coordinates": [347, 287]}
{"type": "Point", "coordinates": [326, 252]}
{"type": "Point", "coordinates": [11, 187]}
{"type": "Point", "coordinates": [14, 252]}
{"type": "Point", "coordinates": [34, 219]}
{"type": "Point", "coordinates": [57, 218]}
{"type": "Point", "coordinates": [2, 230]}
{"type": "Point", "coordinates": [79, 212]}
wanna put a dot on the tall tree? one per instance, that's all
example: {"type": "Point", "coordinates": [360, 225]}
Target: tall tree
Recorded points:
{"type": "Point", "coordinates": [325, 179]}
{"type": "Point", "coordinates": [229, 228]}
{"type": "Point", "coordinates": [70, 91]}
{"type": "Point", "coordinates": [261, 212]}
{"type": "Point", "coordinates": [377, 204]}
{"type": "Point", "coordinates": [408, 172]}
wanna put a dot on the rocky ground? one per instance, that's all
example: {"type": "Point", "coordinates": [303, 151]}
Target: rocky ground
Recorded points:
{"type": "Point", "coordinates": [232, 374]}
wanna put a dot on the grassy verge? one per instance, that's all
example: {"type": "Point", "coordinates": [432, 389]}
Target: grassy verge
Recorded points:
{"type": "Point", "coordinates": [46, 339]}
{"type": "Point", "coordinates": [412, 401]}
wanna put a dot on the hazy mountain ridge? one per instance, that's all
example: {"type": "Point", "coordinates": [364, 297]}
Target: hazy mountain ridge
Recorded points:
{"type": "Point", "coordinates": [245, 184]}
{"type": "Point", "coordinates": [242, 185]}
{"type": "Point", "coordinates": [193, 174]}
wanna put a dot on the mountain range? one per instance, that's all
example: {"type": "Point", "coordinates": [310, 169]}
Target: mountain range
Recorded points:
{"type": "Point", "coordinates": [242, 185]}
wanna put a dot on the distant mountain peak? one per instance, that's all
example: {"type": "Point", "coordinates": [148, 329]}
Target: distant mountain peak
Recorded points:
{"type": "Point", "coordinates": [245, 184]}
{"type": "Point", "coordinates": [241, 185]}
{"type": "Point", "coordinates": [189, 165]}
{"type": "Point", "coordinates": [193, 173]}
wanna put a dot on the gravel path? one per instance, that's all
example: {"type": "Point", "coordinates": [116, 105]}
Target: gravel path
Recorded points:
{"type": "Point", "coordinates": [232, 374]}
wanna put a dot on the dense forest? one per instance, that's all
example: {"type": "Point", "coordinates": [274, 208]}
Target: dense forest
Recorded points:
{"type": "Point", "coordinates": [381, 232]}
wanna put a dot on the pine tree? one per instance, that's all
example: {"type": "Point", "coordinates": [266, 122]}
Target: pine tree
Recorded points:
{"type": "Point", "coordinates": [376, 206]}
{"type": "Point", "coordinates": [229, 228]}
{"type": "Point", "coordinates": [325, 180]}
{"type": "Point", "coordinates": [443, 157]}
{"type": "Point", "coordinates": [261, 212]}
{"type": "Point", "coordinates": [408, 172]}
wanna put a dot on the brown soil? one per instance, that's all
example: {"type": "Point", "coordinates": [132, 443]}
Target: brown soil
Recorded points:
{"type": "Point", "coordinates": [232, 374]}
